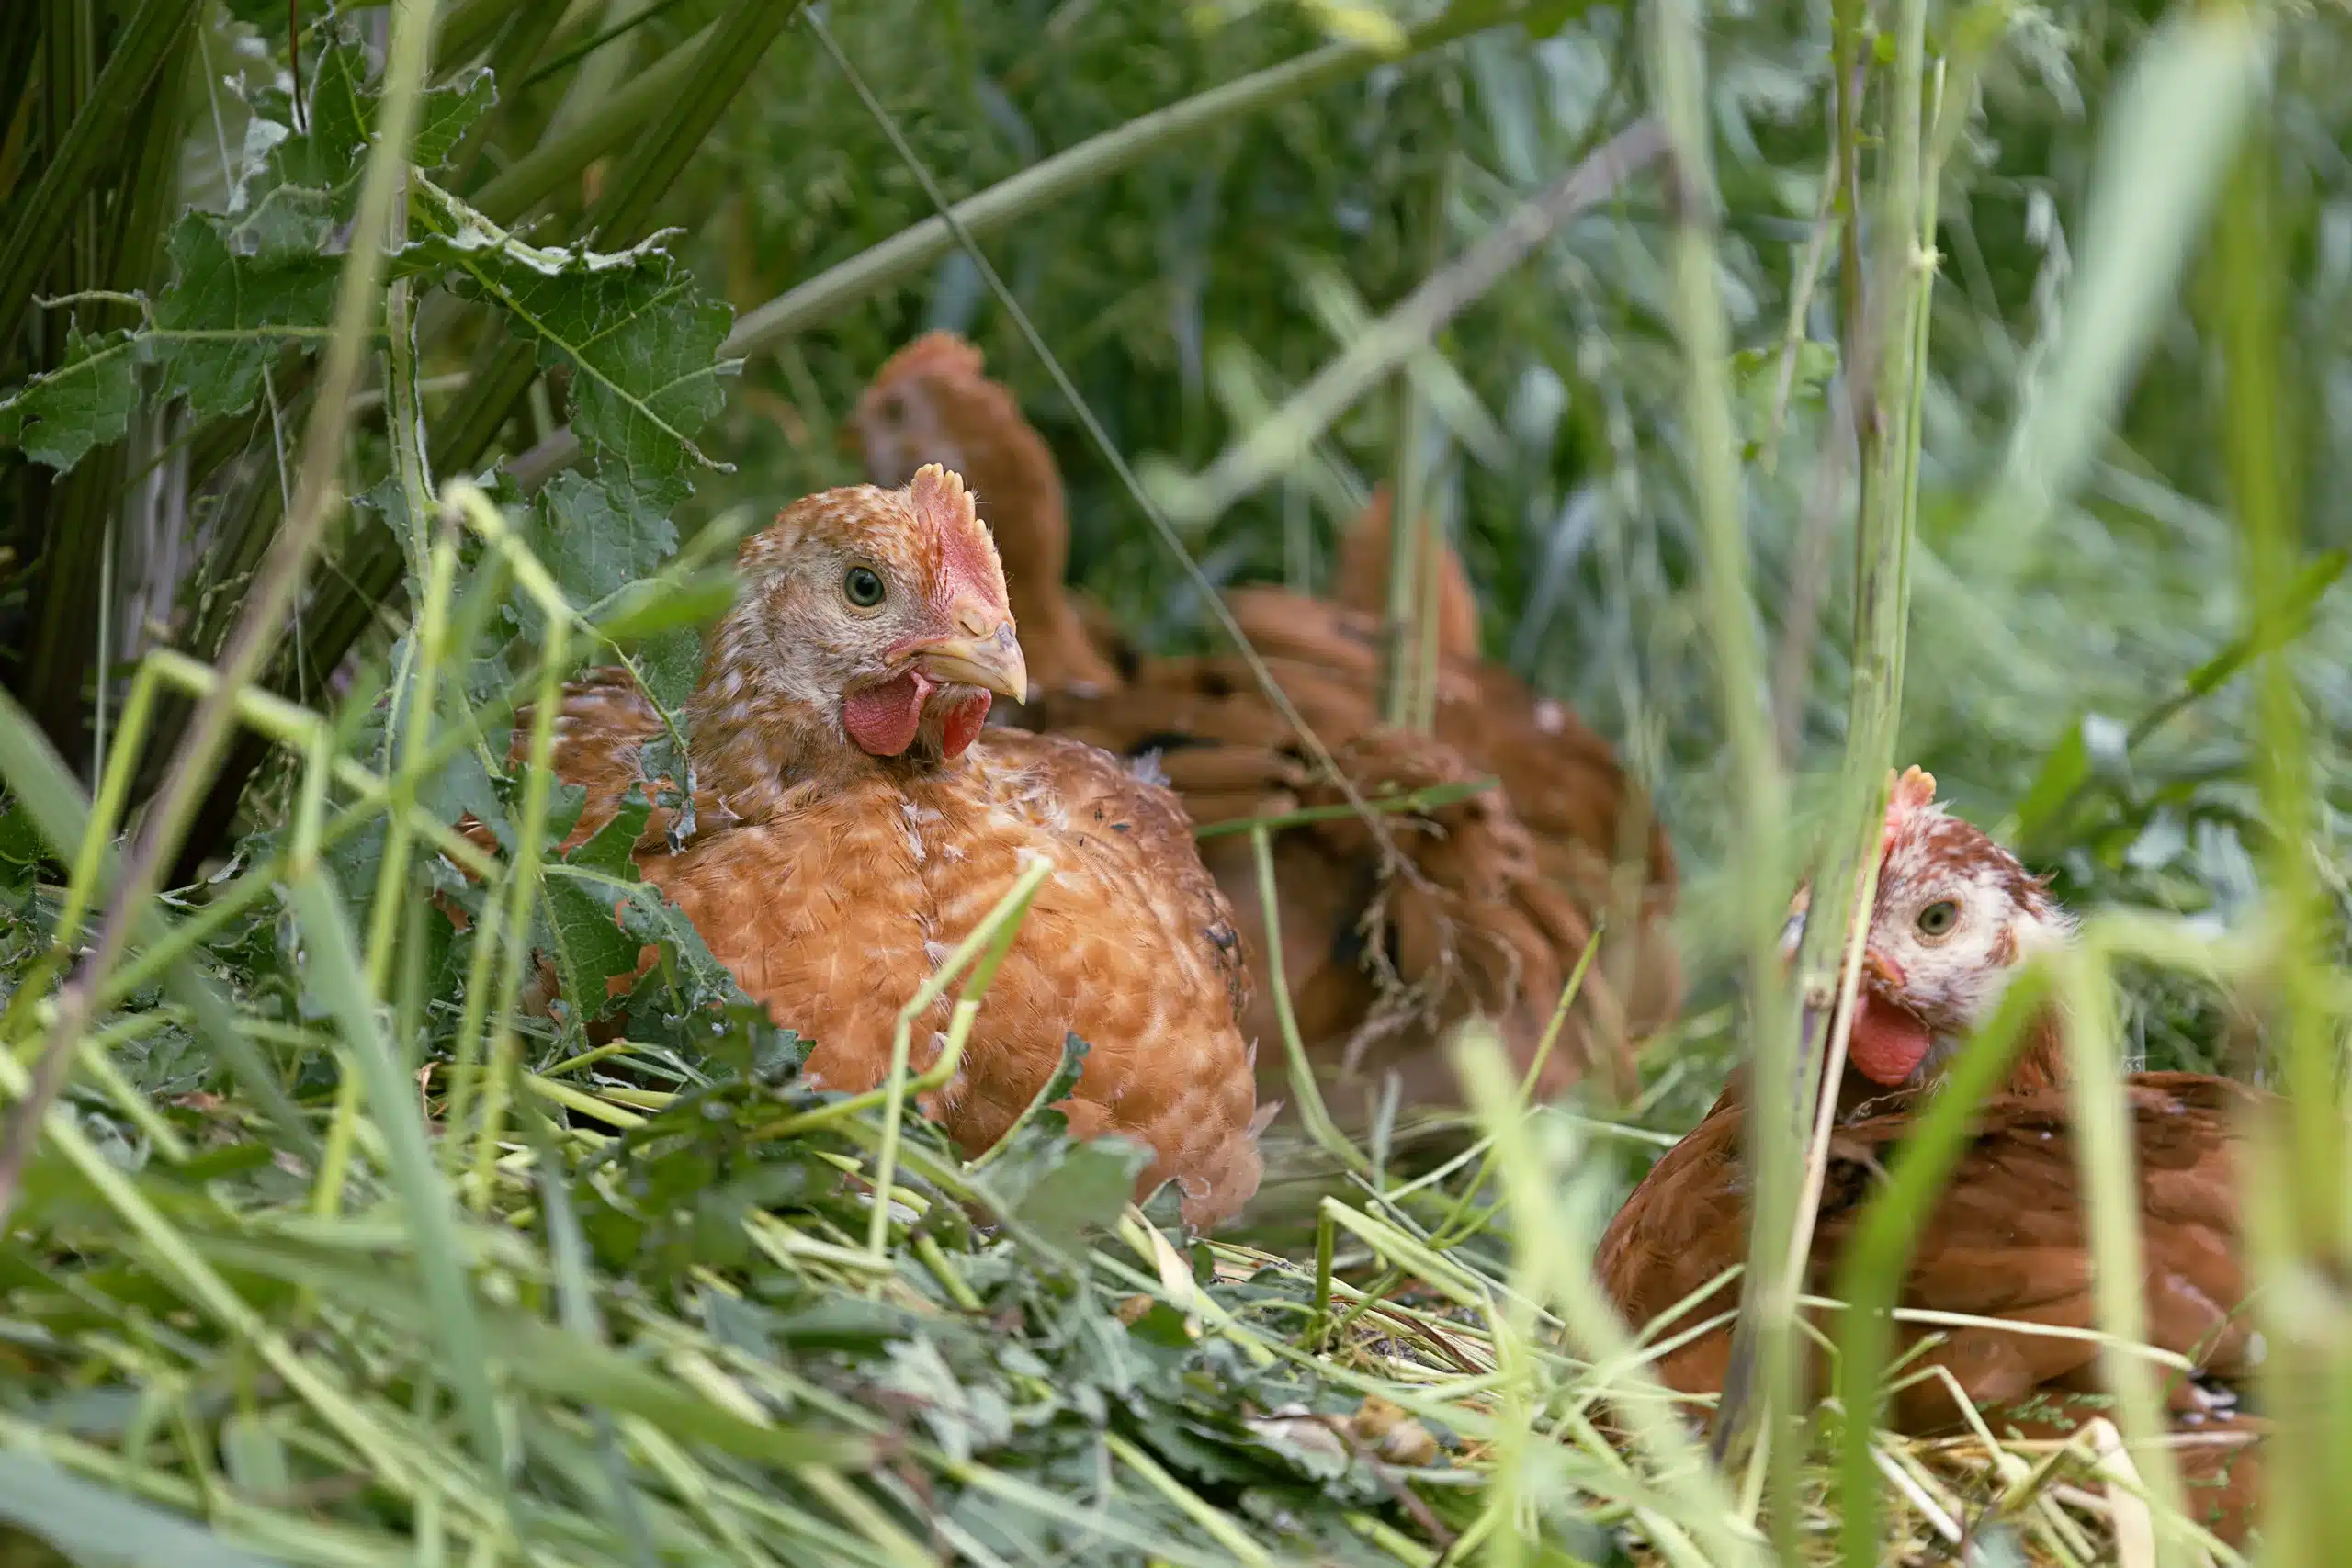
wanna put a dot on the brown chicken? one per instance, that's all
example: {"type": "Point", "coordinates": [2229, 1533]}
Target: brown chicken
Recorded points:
{"type": "Point", "coordinates": [1476, 911]}
{"type": "Point", "coordinates": [853, 822]}
{"type": "Point", "coordinates": [1954, 917]}
{"type": "Point", "coordinates": [1591, 827]}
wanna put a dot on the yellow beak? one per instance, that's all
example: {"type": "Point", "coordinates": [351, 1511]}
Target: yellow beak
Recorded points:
{"type": "Point", "coordinates": [993, 662]}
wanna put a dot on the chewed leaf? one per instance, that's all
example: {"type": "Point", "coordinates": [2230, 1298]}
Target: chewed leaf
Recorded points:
{"type": "Point", "coordinates": [223, 316]}
{"type": "Point", "coordinates": [84, 402]}
{"type": "Point", "coordinates": [300, 188]}
{"type": "Point", "coordinates": [639, 338]}
{"type": "Point", "coordinates": [227, 315]}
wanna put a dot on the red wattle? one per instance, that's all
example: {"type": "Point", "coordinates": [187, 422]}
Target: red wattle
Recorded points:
{"type": "Point", "coordinates": [883, 719]}
{"type": "Point", "coordinates": [1887, 1043]}
{"type": "Point", "coordinates": [962, 723]}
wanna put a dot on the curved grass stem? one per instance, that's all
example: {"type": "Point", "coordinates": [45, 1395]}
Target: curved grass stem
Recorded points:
{"type": "Point", "coordinates": [982, 949]}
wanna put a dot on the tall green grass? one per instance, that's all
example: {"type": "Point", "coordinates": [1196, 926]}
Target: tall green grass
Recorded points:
{"type": "Point", "coordinates": [416, 1275]}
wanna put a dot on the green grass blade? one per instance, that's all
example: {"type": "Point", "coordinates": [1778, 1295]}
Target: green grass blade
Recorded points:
{"type": "Point", "coordinates": [39, 779]}
{"type": "Point", "coordinates": [338, 977]}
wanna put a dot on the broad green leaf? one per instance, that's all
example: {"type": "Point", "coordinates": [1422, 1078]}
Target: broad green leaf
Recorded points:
{"type": "Point", "coordinates": [597, 539]}
{"type": "Point", "coordinates": [602, 539]}
{"type": "Point", "coordinates": [639, 338]}
{"type": "Point", "coordinates": [225, 316]}
{"type": "Point", "coordinates": [84, 402]}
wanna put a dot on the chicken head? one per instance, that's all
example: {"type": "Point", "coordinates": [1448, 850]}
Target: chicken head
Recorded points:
{"type": "Point", "coordinates": [878, 615]}
{"type": "Point", "coordinates": [1955, 917]}
{"type": "Point", "coordinates": [932, 403]}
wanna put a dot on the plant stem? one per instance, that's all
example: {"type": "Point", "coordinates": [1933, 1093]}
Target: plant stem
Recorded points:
{"type": "Point", "coordinates": [1759, 877]}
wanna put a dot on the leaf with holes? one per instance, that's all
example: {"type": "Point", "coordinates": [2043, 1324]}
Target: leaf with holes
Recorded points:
{"type": "Point", "coordinates": [640, 339]}
{"type": "Point", "coordinates": [299, 189]}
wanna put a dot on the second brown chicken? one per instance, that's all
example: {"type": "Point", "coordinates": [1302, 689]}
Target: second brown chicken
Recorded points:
{"type": "Point", "coordinates": [1954, 918]}
{"type": "Point", "coordinates": [1390, 935]}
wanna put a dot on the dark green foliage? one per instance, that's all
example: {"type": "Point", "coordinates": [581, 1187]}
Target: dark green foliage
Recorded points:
{"type": "Point", "coordinates": [694, 1355]}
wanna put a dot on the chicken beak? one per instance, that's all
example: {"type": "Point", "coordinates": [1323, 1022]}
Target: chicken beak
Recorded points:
{"type": "Point", "coordinates": [993, 662]}
{"type": "Point", "coordinates": [1882, 969]}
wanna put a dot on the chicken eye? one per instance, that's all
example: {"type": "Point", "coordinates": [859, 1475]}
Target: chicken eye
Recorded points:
{"type": "Point", "coordinates": [861, 585]}
{"type": "Point", "coordinates": [1938, 917]}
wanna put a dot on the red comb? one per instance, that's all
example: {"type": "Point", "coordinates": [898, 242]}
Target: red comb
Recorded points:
{"type": "Point", "coordinates": [1908, 795]}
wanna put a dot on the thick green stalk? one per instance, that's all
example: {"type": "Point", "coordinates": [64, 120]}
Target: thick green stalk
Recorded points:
{"type": "Point", "coordinates": [1892, 314]}
{"type": "Point", "coordinates": [20, 52]}
{"type": "Point", "coordinates": [470, 27]}
{"type": "Point", "coordinates": [1759, 874]}
{"type": "Point", "coordinates": [2302, 1233]}
{"type": "Point", "coordinates": [557, 158]}
{"type": "Point", "coordinates": [516, 49]}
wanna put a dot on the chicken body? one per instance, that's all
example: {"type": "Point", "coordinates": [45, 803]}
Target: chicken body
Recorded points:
{"type": "Point", "coordinates": [1470, 908]}
{"type": "Point", "coordinates": [1589, 828]}
{"type": "Point", "coordinates": [854, 824]}
{"type": "Point", "coordinates": [1375, 963]}
{"type": "Point", "coordinates": [2007, 1239]}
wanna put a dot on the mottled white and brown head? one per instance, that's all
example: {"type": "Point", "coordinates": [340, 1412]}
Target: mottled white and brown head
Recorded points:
{"type": "Point", "coordinates": [877, 614]}
{"type": "Point", "coordinates": [1954, 918]}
